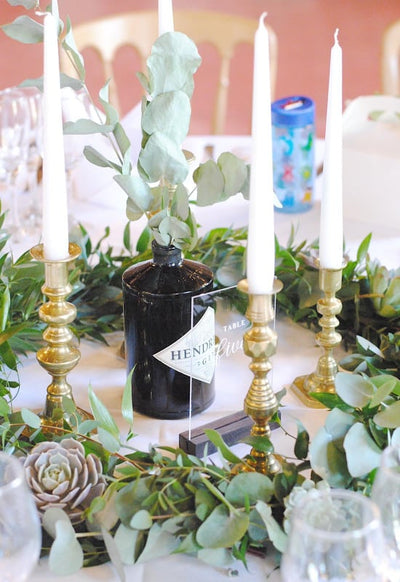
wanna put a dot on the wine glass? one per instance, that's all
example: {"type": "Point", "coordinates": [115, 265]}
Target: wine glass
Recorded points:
{"type": "Point", "coordinates": [75, 105]}
{"type": "Point", "coordinates": [335, 536]}
{"type": "Point", "coordinates": [30, 207]}
{"type": "Point", "coordinates": [20, 532]}
{"type": "Point", "coordinates": [14, 127]}
{"type": "Point", "coordinates": [386, 494]}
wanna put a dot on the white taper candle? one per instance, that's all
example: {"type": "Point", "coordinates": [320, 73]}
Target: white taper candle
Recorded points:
{"type": "Point", "coordinates": [331, 225]}
{"type": "Point", "coordinates": [165, 17]}
{"type": "Point", "coordinates": [261, 239]}
{"type": "Point", "coordinates": [55, 210]}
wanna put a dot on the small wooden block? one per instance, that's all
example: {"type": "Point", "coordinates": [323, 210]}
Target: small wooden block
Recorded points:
{"type": "Point", "coordinates": [232, 429]}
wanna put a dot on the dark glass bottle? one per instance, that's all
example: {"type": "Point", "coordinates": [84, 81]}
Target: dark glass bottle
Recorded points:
{"type": "Point", "coordinates": [157, 313]}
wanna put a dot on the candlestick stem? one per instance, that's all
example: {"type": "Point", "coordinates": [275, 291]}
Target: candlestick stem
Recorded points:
{"type": "Point", "coordinates": [59, 356]}
{"type": "Point", "coordinates": [323, 379]}
{"type": "Point", "coordinates": [260, 403]}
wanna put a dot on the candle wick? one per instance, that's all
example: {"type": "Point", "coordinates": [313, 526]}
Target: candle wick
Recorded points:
{"type": "Point", "coordinates": [262, 17]}
{"type": "Point", "coordinates": [336, 36]}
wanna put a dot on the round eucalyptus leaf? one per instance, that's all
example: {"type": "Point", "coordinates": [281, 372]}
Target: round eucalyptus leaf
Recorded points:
{"type": "Point", "coordinates": [362, 453]}
{"type": "Point", "coordinates": [175, 229]}
{"type": "Point", "coordinates": [217, 557]}
{"type": "Point", "coordinates": [338, 422]}
{"type": "Point", "coordinates": [30, 418]}
{"type": "Point", "coordinates": [327, 455]}
{"type": "Point", "coordinates": [51, 516]}
{"type": "Point", "coordinates": [159, 544]}
{"type": "Point", "coordinates": [173, 61]}
{"type": "Point", "coordinates": [355, 390]}
{"type": "Point", "coordinates": [396, 437]}
{"type": "Point", "coordinates": [210, 183]}
{"type": "Point", "coordinates": [139, 193]}
{"type": "Point", "coordinates": [222, 528]}
{"type": "Point", "coordinates": [25, 30]}
{"type": "Point", "coordinates": [235, 173]}
{"type": "Point", "coordinates": [389, 417]}
{"type": "Point", "coordinates": [66, 555]}
{"type": "Point", "coordinates": [168, 113]}
{"type": "Point", "coordinates": [163, 158]}
{"type": "Point", "coordinates": [141, 520]}
{"type": "Point", "coordinates": [249, 487]}
{"type": "Point", "coordinates": [28, 4]}
{"type": "Point", "coordinates": [180, 203]}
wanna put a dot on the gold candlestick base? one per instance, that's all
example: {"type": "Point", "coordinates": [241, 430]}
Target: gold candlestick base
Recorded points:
{"type": "Point", "coordinates": [323, 379]}
{"type": "Point", "coordinates": [259, 343]}
{"type": "Point", "coordinates": [59, 356]}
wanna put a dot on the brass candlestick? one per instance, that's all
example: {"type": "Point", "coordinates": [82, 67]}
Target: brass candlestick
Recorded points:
{"type": "Point", "coordinates": [59, 356]}
{"type": "Point", "coordinates": [323, 379]}
{"type": "Point", "coordinates": [259, 343]}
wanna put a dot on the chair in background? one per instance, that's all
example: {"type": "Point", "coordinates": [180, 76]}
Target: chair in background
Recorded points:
{"type": "Point", "coordinates": [139, 30]}
{"type": "Point", "coordinates": [390, 59]}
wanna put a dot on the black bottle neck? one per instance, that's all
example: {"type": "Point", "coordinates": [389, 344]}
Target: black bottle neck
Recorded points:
{"type": "Point", "coordinates": [170, 256]}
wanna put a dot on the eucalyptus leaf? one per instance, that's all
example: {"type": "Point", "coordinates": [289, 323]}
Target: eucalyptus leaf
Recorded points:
{"type": "Point", "coordinates": [108, 440]}
{"type": "Point", "coordinates": [114, 554]}
{"type": "Point", "coordinates": [234, 172]}
{"type": "Point", "coordinates": [217, 557]}
{"type": "Point", "coordinates": [210, 183]}
{"type": "Point", "coordinates": [25, 30]}
{"type": "Point", "coordinates": [389, 417]}
{"type": "Point", "coordinates": [222, 528]}
{"type": "Point", "coordinates": [86, 127]}
{"type": "Point", "coordinates": [168, 113]}
{"type": "Point", "coordinates": [50, 518]}
{"type": "Point", "coordinates": [125, 539]}
{"type": "Point", "coordinates": [386, 385]}
{"type": "Point", "coordinates": [248, 488]}
{"type": "Point", "coordinates": [159, 544]}
{"type": "Point", "coordinates": [28, 4]}
{"type": "Point", "coordinates": [141, 520]}
{"type": "Point", "coordinates": [327, 455]}
{"type": "Point", "coordinates": [139, 194]}
{"type": "Point", "coordinates": [173, 61]}
{"type": "Point", "coordinates": [275, 532]}
{"type": "Point", "coordinates": [362, 453]}
{"type": "Point", "coordinates": [66, 555]}
{"type": "Point", "coordinates": [353, 389]}
{"type": "Point", "coordinates": [163, 158]}
{"type": "Point", "coordinates": [30, 418]}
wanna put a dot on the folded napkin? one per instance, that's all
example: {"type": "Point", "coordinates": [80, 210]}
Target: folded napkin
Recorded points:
{"type": "Point", "coordinates": [371, 161]}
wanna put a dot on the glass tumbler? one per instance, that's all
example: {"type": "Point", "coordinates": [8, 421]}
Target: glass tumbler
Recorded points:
{"type": "Point", "coordinates": [386, 494]}
{"type": "Point", "coordinates": [20, 532]}
{"type": "Point", "coordinates": [335, 536]}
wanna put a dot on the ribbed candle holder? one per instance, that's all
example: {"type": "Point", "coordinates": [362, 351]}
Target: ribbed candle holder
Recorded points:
{"type": "Point", "coordinates": [59, 356]}
{"type": "Point", "coordinates": [260, 403]}
{"type": "Point", "coordinates": [323, 379]}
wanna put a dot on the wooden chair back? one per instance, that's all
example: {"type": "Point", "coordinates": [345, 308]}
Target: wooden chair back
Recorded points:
{"type": "Point", "coordinates": [390, 59]}
{"type": "Point", "coordinates": [139, 29]}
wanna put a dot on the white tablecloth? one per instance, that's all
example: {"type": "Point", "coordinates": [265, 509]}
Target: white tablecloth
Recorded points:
{"type": "Point", "coordinates": [98, 203]}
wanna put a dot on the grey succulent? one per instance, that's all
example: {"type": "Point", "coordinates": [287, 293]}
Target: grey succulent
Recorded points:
{"type": "Point", "coordinates": [60, 475]}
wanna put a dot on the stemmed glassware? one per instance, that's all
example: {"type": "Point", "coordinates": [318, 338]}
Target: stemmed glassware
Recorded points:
{"type": "Point", "coordinates": [335, 536]}
{"type": "Point", "coordinates": [386, 494]}
{"type": "Point", "coordinates": [14, 128]}
{"type": "Point", "coordinates": [75, 105]}
{"type": "Point", "coordinates": [20, 532]}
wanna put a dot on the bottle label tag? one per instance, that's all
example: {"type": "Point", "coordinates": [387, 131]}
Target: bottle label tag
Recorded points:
{"type": "Point", "coordinates": [194, 353]}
